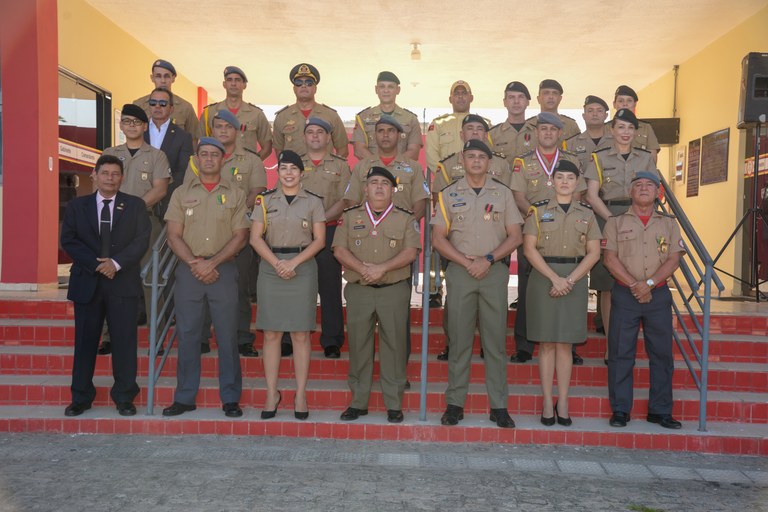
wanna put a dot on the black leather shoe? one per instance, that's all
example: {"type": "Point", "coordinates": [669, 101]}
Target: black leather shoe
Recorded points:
{"type": "Point", "coordinates": [286, 349]}
{"type": "Point", "coordinates": [665, 420]}
{"type": "Point", "coordinates": [566, 422]}
{"type": "Point", "coordinates": [75, 409]}
{"type": "Point", "coordinates": [141, 319]}
{"type": "Point", "coordinates": [105, 348]}
{"type": "Point", "coordinates": [619, 419]}
{"type": "Point", "coordinates": [407, 384]}
{"type": "Point", "coordinates": [435, 301]}
{"type": "Point", "coordinates": [332, 352]}
{"type": "Point", "coordinates": [126, 409]}
{"type": "Point", "coordinates": [205, 348]}
{"type": "Point", "coordinates": [501, 417]}
{"type": "Point", "coordinates": [232, 410]}
{"type": "Point", "coordinates": [443, 356]}
{"type": "Point", "coordinates": [394, 416]}
{"type": "Point", "coordinates": [482, 354]}
{"type": "Point", "coordinates": [352, 413]}
{"type": "Point", "coordinates": [176, 408]}
{"type": "Point", "coordinates": [600, 330]}
{"type": "Point", "coordinates": [513, 305]}
{"type": "Point", "coordinates": [577, 359]}
{"type": "Point", "coordinates": [520, 357]}
{"type": "Point", "coordinates": [247, 350]}
{"type": "Point", "coordinates": [452, 415]}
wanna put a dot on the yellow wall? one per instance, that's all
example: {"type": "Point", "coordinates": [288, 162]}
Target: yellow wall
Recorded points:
{"type": "Point", "coordinates": [708, 101]}
{"type": "Point", "coordinates": [91, 46]}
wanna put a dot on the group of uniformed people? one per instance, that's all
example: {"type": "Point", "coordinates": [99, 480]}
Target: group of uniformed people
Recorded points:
{"type": "Point", "coordinates": [323, 217]}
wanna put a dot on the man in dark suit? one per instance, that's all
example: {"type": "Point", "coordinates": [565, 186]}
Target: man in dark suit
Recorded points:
{"type": "Point", "coordinates": [106, 234]}
{"type": "Point", "coordinates": [168, 137]}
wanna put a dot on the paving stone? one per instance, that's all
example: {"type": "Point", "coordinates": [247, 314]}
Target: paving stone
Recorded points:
{"type": "Point", "coordinates": [535, 465]}
{"type": "Point", "coordinates": [627, 470]}
{"type": "Point", "coordinates": [399, 459]}
{"type": "Point", "coordinates": [724, 476]}
{"type": "Point", "coordinates": [759, 477]}
{"type": "Point", "coordinates": [580, 467]}
{"type": "Point", "coordinates": [674, 472]}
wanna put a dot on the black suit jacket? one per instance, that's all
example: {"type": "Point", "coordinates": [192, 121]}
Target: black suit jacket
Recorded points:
{"type": "Point", "coordinates": [129, 241]}
{"type": "Point", "coordinates": [177, 146]}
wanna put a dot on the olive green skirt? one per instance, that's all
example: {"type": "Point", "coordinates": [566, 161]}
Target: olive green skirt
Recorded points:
{"type": "Point", "coordinates": [287, 305]}
{"type": "Point", "coordinates": [556, 320]}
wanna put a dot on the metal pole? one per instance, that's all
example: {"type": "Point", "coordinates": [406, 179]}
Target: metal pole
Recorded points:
{"type": "Point", "coordinates": [425, 320]}
{"type": "Point", "coordinates": [755, 216]}
{"type": "Point", "coordinates": [705, 349]}
{"type": "Point", "coordinates": [153, 331]}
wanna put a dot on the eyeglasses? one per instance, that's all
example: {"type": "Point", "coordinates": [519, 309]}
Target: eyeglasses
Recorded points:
{"type": "Point", "coordinates": [298, 82]}
{"type": "Point", "coordinates": [162, 103]}
{"type": "Point", "coordinates": [131, 122]}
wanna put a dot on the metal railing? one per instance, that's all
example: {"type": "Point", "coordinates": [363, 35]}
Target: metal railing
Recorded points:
{"type": "Point", "coordinates": [159, 270]}
{"type": "Point", "coordinates": [697, 269]}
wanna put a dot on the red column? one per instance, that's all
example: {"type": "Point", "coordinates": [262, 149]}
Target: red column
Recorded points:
{"type": "Point", "coordinates": [29, 66]}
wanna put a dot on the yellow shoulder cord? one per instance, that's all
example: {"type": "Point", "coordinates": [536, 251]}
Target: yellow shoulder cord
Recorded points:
{"type": "Point", "coordinates": [207, 126]}
{"type": "Point", "coordinates": [599, 170]}
{"type": "Point", "coordinates": [445, 214]}
{"type": "Point", "coordinates": [193, 166]}
{"type": "Point", "coordinates": [565, 146]}
{"type": "Point", "coordinates": [362, 127]}
{"type": "Point", "coordinates": [260, 200]}
{"type": "Point", "coordinates": [444, 172]}
{"type": "Point", "coordinates": [532, 210]}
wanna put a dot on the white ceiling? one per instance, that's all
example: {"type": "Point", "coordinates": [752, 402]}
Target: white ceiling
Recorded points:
{"type": "Point", "coordinates": [590, 46]}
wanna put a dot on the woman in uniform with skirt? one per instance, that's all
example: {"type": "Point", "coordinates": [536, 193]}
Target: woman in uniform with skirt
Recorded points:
{"type": "Point", "coordinates": [288, 230]}
{"type": "Point", "coordinates": [561, 241]}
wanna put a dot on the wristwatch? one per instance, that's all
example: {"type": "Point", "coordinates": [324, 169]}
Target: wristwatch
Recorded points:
{"type": "Point", "coordinates": [490, 258]}
{"type": "Point", "coordinates": [650, 283]}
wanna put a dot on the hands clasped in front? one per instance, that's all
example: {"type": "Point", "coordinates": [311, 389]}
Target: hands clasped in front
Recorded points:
{"type": "Point", "coordinates": [641, 292]}
{"type": "Point", "coordinates": [204, 270]}
{"type": "Point", "coordinates": [478, 266]}
{"type": "Point", "coordinates": [561, 287]}
{"type": "Point", "coordinates": [106, 267]}
{"type": "Point", "coordinates": [372, 273]}
{"type": "Point", "coordinates": [286, 269]}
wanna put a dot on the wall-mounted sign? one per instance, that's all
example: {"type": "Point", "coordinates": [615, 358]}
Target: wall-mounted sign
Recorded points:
{"type": "Point", "coordinates": [714, 157]}
{"type": "Point", "coordinates": [77, 153]}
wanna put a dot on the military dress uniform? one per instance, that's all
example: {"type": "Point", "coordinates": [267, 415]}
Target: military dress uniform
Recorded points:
{"type": "Point", "coordinates": [183, 114]}
{"type": "Point", "coordinates": [452, 168]}
{"type": "Point", "coordinates": [387, 301]}
{"type": "Point", "coordinates": [288, 305]}
{"type": "Point", "coordinates": [328, 179]}
{"type": "Point", "coordinates": [476, 224]}
{"type": "Point", "coordinates": [614, 174]}
{"type": "Point", "coordinates": [642, 250]}
{"type": "Point", "coordinates": [530, 177]}
{"type": "Point", "coordinates": [210, 220]}
{"type": "Point", "coordinates": [561, 239]}
{"type": "Point", "coordinates": [511, 142]}
{"type": "Point", "coordinates": [254, 126]}
{"type": "Point", "coordinates": [570, 128]}
{"type": "Point", "coordinates": [582, 145]}
{"type": "Point", "coordinates": [411, 184]}
{"type": "Point", "coordinates": [289, 128]}
{"type": "Point", "coordinates": [365, 127]}
{"type": "Point", "coordinates": [645, 137]}
{"type": "Point", "coordinates": [443, 138]}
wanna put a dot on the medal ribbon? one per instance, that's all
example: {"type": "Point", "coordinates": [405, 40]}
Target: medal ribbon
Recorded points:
{"type": "Point", "coordinates": [383, 215]}
{"type": "Point", "coordinates": [548, 169]}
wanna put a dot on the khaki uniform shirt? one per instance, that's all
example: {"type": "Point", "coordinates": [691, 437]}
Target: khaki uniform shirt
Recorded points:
{"type": "Point", "coordinates": [183, 114]}
{"type": "Point", "coordinates": [559, 233]}
{"type": "Point", "coordinates": [452, 168]}
{"type": "Point", "coordinates": [570, 128]}
{"type": "Point", "coordinates": [529, 177]}
{"type": "Point", "coordinates": [476, 224]}
{"type": "Point", "coordinates": [583, 146]}
{"type": "Point", "coordinates": [139, 170]}
{"type": "Point", "coordinates": [365, 128]}
{"type": "Point", "coordinates": [444, 138]}
{"type": "Point", "coordinates": [254, 126]}
{"type": "Point", "coordinates": [289, 128]}
{"type": "Point", "coordinates": [614, 173]}
{"type": "Point", "coordinates": [243, 167]}
{"type": "Point", "coordinates": [398, 230]}
{"type": "Point", "coordinates": [411, 185]}
{"type": "Point", "coordinates": [289, 225]}
{"type": "Point", "coordinates": [643, 249]}
{"type": "Point", "coordinates": [645, 138]}
{"type": "Point", "coordinates": [209, 218]}
{"type": "Point", "coordinates": [511, 143]}
{"type": "Point", "coordinates": [328, 179]}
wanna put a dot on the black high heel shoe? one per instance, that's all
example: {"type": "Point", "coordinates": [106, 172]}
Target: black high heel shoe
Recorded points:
{"type": "Point", "coordinates": [547, 422]}
{"type": "Point", "coordinates": [300, 415]}
{"type": "Point", "coordinates": [566, 422]}
{"type": "Point", "coordinates": [266, 415]}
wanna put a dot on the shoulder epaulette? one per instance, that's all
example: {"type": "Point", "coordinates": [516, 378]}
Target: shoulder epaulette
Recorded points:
{"type": "Point", "coordinates": [440, 119]}
{"type": "Point", "coordinates": [255, 106]}
{"type": "Point", "coordinates": [604, 148]}
{"type": "Point", "coordinates": [540, 203]}
{"type": "Point", "coordinates": [210, 105]}
{"type": "Point", "coordinates": [641, 149]}
{"type": "Point", "coordinates": [569, 153]}
{"type": "Point", "coordinates": [565, 116]}
{"type": "Point", "coordinates": [501, 183]}
{"type": "Point", "coordinates": [499, 154]}
{"type": "Point", "coordinates": [353, 207]}
{"type": "Point", "coordinates": [285, 107]}
{"type": "Point", "coordinates": [572, 137]}
{"type": "Point", "coordinates": [406, 210]}
{"type": "Point", "coordinates": [270, 191]}
{"type": "Point", "coordinates": [668, 215]}
{"type": "Point", "coordinates": [524, 155]}
{"type": "Point", "coordinates": [496, 125]}
{"type": "Point", "coordinates": [329, 108]}
{"type": "Point", "coordinates": [585, 205]}
{"type": "Point", "coordinates": [405, 109]}
{"type": "Point", "coordinates": [312, 193]}
{"type": "Point", "coordinates": [448, 185]}
{"type": "Point", "coordinates": [532, 118]}
{"type": "Point", "coordinates": [449, 156]}
{"type": "Point", "coordinates": [334, 155]}
{"type": "Point", "coordinates": [251, 151]}
{"type": "Point", "coordinates": [366, 108]}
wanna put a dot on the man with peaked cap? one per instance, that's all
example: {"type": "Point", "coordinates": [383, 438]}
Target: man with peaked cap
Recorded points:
{"type": "Point", "coordinates": [376, 242]}
{"type": "Point", "coordinates": [642, 250]}
{"type": "Point", "coordinates": [364, 135]}
{"type": "Point", "coordinates": [549, 98]}
{"type": "Point", "coordinates": [254, 132]}
{"type": "Point", "coordinates": [164, 75]}
{"type": "Point", "coordinates": [531, 183]}
{"type": "Point", "coordinates": [596, 136]}
{"type": "Point", "coordinates": [645, 138]}
{"type": "Point", "coordinates": [289, 121]}
{"type": "Point", "coordinates": [327, 175]}
{"type": "Point", "coordinates": [244, 168]}
{"type": "Point", "coordinates": [514, 136]}
{"type": "Point", "coordinates": [207, 227]}
{"type": "Point", "coordinates": [443, 137]}
{"type": "Point", "coordinates": [476, 227]}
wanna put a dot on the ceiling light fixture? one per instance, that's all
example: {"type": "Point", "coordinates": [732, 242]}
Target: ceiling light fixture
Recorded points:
{"type": "Point", "coordinates": [415, 52]}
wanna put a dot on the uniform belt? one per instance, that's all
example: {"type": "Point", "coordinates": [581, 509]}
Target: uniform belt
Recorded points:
{"type": "Point", "coordinates": [563, 259]}
{"type": "Point", "coordinates": [383, 285]}
{"type": "Point", "coordinates": [618, 202]}
{"type": "Point", "coordinates": [287, 250]}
